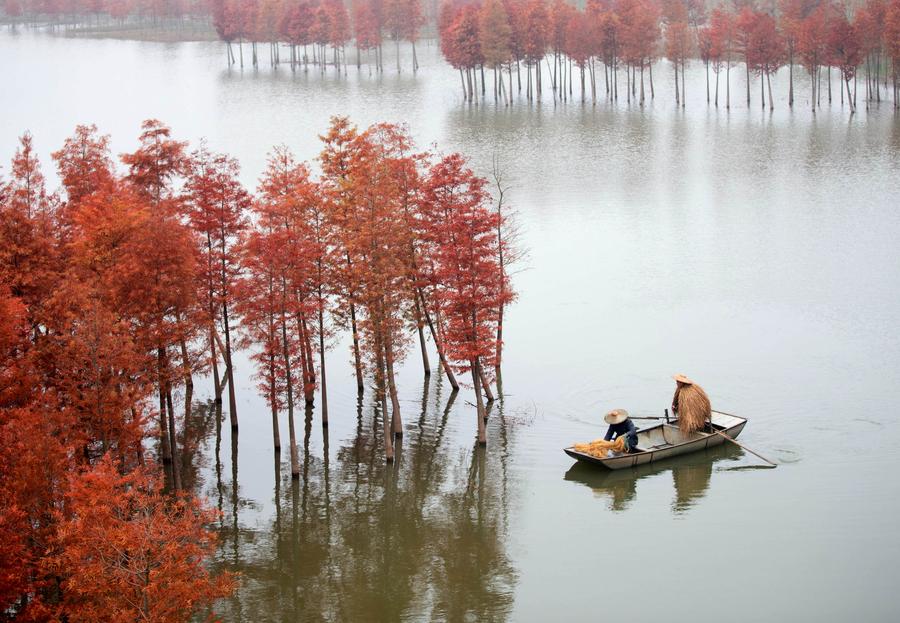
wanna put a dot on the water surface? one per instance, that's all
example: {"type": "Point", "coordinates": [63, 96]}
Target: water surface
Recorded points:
{"type": "Point", "coordinates": [754, 251]}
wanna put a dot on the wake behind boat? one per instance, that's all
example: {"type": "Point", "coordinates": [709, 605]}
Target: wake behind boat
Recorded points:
{"type": "Point", "coordinates": [667, 440]}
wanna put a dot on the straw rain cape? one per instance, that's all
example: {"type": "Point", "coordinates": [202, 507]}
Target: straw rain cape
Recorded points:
{"type": "Point", "coordinates": [694, 408]}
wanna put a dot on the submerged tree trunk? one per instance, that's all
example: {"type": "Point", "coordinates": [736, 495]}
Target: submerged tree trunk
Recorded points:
{"type": "Point", "coordinates": [188, 381]}
{"type": "Point", "coordinates": [420, 327]}
{"type": "Point", "coordinates": [173, 440]}
{"type": "Point", "coordinates": [396, 418]}
{"type": "Point", "coordinates": [232, 398]}
{"type": "Point", "coordinates": [437, 342]}
{"type": "Point", "coordinates": [213, 334]}
{"type": "Point", "coordinates": [292, 433]}
{"type": "Point", "coordinates": [357, 360]}
{"type": "Point", "coordinates": [476, 381]}
{"type": "Point", "coordinates": [164, 441]}
{"type": "Point", "coordinates": [747, 67]}
{"type": "Point", "coordinates": [323, 387]}
{"type": "Point", "coordinates": [382, 398]}
{"type": "Point", "coordinates": [728, 86]}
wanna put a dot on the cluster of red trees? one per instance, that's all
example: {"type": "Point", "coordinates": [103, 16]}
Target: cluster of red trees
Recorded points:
{"type": "Point", "coordinates": [87, 11]}
{"type": "Point", "coordinates": [121, 288]}
{"type": "Point", "coordinates": [386, 242]}
{"type": "Point", "coordinates": [302, 25]}
{"type": "Point", "coordinates": [94, 291]}
{"type": "Point", "coordinates": [306, 27]}
{"type": "Point", "coordinates": [504, 35]}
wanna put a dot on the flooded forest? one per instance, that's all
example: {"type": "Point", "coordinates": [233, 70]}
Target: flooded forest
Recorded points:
{"type": "Point", "coordinates": [302, 303]}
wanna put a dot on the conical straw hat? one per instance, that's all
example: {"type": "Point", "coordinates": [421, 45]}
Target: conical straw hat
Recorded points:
{"type": "Point", "coordinates": [683, 379]}
{"type": "Point", "coordinates": [616, 416]}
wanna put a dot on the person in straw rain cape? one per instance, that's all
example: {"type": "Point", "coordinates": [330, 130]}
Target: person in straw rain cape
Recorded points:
{"type": "Point", "coordinates": [621, 425]}
{"type": "Point", "coordinates": [691, 404]}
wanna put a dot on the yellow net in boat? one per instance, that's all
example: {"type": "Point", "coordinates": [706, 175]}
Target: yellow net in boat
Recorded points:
{"type": "Point", "coordinates": [599, 448]}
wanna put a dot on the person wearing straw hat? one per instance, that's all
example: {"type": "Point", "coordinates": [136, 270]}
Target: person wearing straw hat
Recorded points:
{"type": "Point", "coordinates": [690, 404]}
{"type": "Point", "coordinates": [620, 424]}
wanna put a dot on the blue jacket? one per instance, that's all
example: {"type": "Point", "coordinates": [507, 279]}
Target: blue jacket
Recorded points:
{"type": "Point", "coordinates": [624, 428]}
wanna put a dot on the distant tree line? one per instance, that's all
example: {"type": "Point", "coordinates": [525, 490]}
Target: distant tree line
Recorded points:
{"type": "Point", "coordinates": [569, 46]}
{"type": "Point", "coordinates": [87, 12]}
{"type": "Point", "coordinates": [836, 42]}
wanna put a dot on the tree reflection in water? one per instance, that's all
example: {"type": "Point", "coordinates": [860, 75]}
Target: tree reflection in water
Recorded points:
{"type": "Point", "coordinates": [691, 475]}
{"type": "Point", "coordinates": [421, 538]}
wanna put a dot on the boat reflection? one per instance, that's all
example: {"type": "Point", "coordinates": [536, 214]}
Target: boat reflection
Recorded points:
{"type": "Point", "coordinates": [691, 474]}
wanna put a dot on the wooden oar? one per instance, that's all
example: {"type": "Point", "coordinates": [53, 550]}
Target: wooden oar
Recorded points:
{"type": "Point", "coordinates": [735, 442]}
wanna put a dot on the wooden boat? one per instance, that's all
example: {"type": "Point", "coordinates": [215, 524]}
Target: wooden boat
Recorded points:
{"type": "Point", "coordinates": [666, 440]}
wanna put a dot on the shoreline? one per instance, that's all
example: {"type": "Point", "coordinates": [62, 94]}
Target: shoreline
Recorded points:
{"type": "Point", "coordinates": [162, 33]}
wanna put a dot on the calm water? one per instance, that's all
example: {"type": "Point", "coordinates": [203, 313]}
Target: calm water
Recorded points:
{"type": "Point", "coordinates": [755, 252]}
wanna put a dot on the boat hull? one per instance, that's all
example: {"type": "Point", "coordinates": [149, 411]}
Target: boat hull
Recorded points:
{"type": "Point", "coordinates": [665, 441]}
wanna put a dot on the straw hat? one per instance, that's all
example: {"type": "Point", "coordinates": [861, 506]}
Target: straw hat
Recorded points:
{"type": "Point", "coordinates": [616, 416]}
{"type": "Point", "coordinates": [683, 379]}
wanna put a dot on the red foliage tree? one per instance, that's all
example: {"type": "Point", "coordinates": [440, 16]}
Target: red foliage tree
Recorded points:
{"type": "Point", "coordinates": [535, 40]}
{"type": "Point", "coordinates": [495, 41]}
{"type": "Point", "coordinates": [892, 45]}
{"type": "Point", "coordinates": [639, 37]}
{"type": "Point", "coordinates": [579, 46]}
{"type": "Point", "coordinates": [461, 45]}
{"type": "Point", "coordinates": [366, 28]}
{"type": "Point", "coordinates": [157, 163]}
{"type": "Point", "coordinates": [464, 253]}
{"type": "Point", "coordinates": [126, 551]}
{"type": "Point", "coordinates": [744, 23]}
{"type": "Point", "coordinates": [812, 47]}
{"type": "Point", "coordinates": [678, 46]}
{"type": "Point", "coordinates": [84, 164]}
{"type": "Point", "coordinates": [765, 52]}
{"type": "Point", "coordinates": [28, 248]}
{"type": "Point", "coordinates": [217, 204]}
{"type": "Point", "coordinates": [846, 51]}
{"type": "Point", "coordinates": [723, 30]}
{"type": "Point", "coordinates": [403, 19]}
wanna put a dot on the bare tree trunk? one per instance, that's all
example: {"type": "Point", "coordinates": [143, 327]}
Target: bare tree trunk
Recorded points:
{"type": "Point", "coordinates": [486, 385]}
{"type": "Point", "coordinates": [232, 397]}
{"type": "Point", "coordinates": [437, 343]}
{"type": "Point", "coordinates": [718, 71]}
{"type": "Point", "coordinates": [707, 82]}
{"type": "Point", "coordinates": [420, 326]}
{"type": "Point", "coordinates": [323, 387]}
{"type": "Point", "coordinates": [728, 86]}
{"type": "Point", "coordinates": [677, 97]}
{"type": "Point", "coordinates": [357, 360]}
{"type": "Point", "coordinates": [164, 441]}
{"type": "Point", "coordinates": [476, 381]}
{"type": "Point", "coordinates": [396, 419]}
{"type": "Point", "coordinates": [747, 67]}
{"type": "Point", "coordinates": [276, 433]}
{"type": "Point", "coordinates": [791, 80]}
{"type": "Point", "coordinates": [295, 461]}
{"type": "Point", "coordinates": [188, 381]}
{"type": "Point", "coordinates": [173, 439]}
{"type": "Point", "coordinates": [382, 398]}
